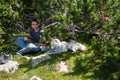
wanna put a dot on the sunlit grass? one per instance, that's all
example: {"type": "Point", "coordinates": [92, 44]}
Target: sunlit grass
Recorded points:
{"type": "Point", "coordinates": [85, 66]}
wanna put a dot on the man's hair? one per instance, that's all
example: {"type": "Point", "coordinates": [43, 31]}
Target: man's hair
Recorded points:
{"type": "Point", "coordinates": [34, 20]}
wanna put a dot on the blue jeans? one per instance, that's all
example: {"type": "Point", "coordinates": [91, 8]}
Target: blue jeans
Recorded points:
{"type": "Point", "coordinates": [26, 46]}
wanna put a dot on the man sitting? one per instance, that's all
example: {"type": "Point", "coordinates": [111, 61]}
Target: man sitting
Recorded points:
{"type": "Point", "coordinates": [31, 41]}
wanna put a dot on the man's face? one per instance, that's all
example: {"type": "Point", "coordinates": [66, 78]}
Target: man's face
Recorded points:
{"type": "Point", "coordinates": [35, 25]}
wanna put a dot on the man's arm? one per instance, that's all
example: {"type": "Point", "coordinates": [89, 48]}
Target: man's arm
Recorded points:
{"type": "Point", "coordinates": [27, 37]}
{"type": "Point", "coordinates": [39, 44]}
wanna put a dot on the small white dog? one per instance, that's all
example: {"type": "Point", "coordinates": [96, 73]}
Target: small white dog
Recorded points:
{"type": "Point", "coordinates": [74, 46]}
{"type": "Point", "coordinates": [58, 46]}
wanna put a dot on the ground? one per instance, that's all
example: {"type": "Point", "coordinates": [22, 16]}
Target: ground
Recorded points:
{"type": "Point", "coordinates": [85, 66]}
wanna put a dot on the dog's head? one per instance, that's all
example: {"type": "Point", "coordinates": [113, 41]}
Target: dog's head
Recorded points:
{"type": "Point", "coordinates": [55, 43]}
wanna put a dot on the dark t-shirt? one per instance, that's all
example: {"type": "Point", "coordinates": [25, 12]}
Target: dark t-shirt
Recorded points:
{"type": "Point", "coordinates": [36, 35]}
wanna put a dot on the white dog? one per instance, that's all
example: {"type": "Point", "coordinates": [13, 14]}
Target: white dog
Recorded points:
{"type": "Point", "coordinates": [58, 46]}
{"type": "Point", "coordinates": [74, 46]}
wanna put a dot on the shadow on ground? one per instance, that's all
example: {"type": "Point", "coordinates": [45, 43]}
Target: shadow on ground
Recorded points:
{"type": "Point", "coordinates": [93, 69]}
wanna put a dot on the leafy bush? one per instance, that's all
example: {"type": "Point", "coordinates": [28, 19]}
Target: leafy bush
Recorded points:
{"type": "Point", "coordinates": [9, 15]}
{"type": "Point", "coordinates": [94, 22]}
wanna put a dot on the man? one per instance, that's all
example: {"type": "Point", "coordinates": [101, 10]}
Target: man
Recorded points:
{"type": "Point", "coordinates": [31, 41]}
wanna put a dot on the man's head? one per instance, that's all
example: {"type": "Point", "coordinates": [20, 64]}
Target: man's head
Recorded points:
{"type": "Point", "coordinates": [34, 24]}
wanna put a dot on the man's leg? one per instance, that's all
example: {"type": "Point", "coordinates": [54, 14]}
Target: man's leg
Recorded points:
{"type": "Point", "coordinates": [21, 42]}
{"type": "Point", "coordinates": [28, 48]}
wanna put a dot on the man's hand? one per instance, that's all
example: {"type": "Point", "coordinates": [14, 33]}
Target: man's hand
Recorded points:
{"type": "Point", "coordinates": [26, 38]}
{"type": "Point", "coordinates": [39, 44]}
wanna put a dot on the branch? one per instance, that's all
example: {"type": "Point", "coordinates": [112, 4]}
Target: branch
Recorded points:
{"type": "Point", "coordinates": [53, 24]}
{"type": "Point", "coordinates": [21, 27]}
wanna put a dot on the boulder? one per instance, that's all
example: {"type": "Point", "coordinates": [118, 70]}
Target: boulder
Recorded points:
{"type": "Point", "coordinates": [35, 78]}
{"type": "Point", "coordinates": [9, 67]}
{"type": "Point", "coordinates": [62, 67]}
{"type": "Point", "coordinates": [36, 60]}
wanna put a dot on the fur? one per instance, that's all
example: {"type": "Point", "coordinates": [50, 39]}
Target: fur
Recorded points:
{"type": "Point", "coordinates": [74, 46]}
{"type": "Point", "coordinates": [58, 46]}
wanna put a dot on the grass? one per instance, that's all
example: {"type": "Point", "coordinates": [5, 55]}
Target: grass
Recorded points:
{"type": "Point", "coordinates": [85, 65]}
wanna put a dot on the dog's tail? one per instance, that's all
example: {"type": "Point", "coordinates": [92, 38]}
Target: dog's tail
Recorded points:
{"type": "Point", "coordinates": [82, 47]}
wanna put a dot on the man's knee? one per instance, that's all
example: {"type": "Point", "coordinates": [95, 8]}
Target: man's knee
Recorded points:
{"type": "Point", "coordinates": [20, 38]}
{"type": "Point", "coordinates": [33, 47]}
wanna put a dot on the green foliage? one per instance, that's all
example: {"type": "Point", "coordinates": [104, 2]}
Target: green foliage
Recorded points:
{"type": "Point", "coordinates": [9, 14]}
{"type": "Point", "coordinates": [83, 13]}
{"type": "Point", "coordinates": [86, 14]}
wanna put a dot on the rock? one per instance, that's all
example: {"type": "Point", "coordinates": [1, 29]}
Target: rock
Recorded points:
{"type": "Point", "coordinates": [35, 78]}
{"type": "Point", "coordinates": [26, 57]}
{"type": "Point", "coordinates": [4, 58]}
{"type": "Point", "coordinates": [9, 67]}
{"type": "Point", "coordinates": [62, 67]}
{"type": "Point", "coordinates": [24, 76]}
{"type": "Point", "coordinates": [36, 60]}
